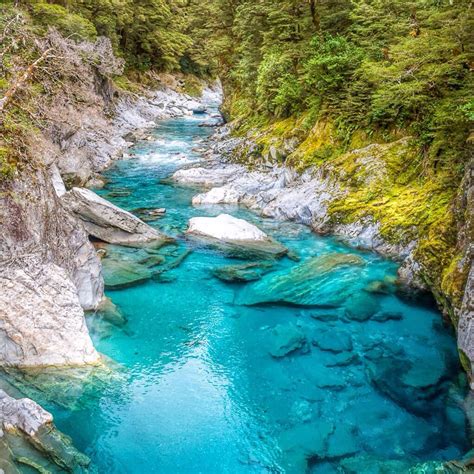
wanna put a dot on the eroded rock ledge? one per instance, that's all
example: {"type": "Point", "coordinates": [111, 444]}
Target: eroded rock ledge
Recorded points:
{"type": "Point", "coordinates": [28, 438]}
{"type": "Point", "coordinates": [108, 222]}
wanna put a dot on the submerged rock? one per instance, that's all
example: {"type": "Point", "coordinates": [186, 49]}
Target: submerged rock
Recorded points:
{"type": "Point", "coordinates": [72, 388]}
{"type": "Point", "coordinates": [361, 307]}
{"type": "Point", "coordinates": [343, 359]}
{"type": "Point", "coordinates": [109, 223]}
{"type": "Point", "coordinates": [29, 438]}
{"type": "Point", "coordinates": [328, 379]}
{"type": "Point", "coordinates": [243, 273]}
{"type": "Point", "coordinates": [227, 231]}
{"type": "Point", "coordinates": [287, 339]}
{"type": "Point", "coordinates": [414, 385]}
{"type": "Point", "coordinates": [342, 442]}
{"type": "Point", "coordinates": [305, 443]}
{"type": "Point", "coordinates": [384, 316]}
{"type": "Point", "coordinates": [333, 341]}
{"type": "Point", "coordinates": [367, 464]}
{"type": "Point", "coordinates": [326, 317]}
{"type": "Point", "coordinates": [119, 274]}
{"type": "Point", "coordinates": [320, 281]}
{"type": "Point", "coordinates": [109, 312]}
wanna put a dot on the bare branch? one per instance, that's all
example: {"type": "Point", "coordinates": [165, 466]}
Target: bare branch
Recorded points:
{"type": "Point", "coordinates": [22, 80]}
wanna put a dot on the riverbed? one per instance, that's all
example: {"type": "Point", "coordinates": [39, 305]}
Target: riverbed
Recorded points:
{"type": "Point", "coordinates": [204, 384]}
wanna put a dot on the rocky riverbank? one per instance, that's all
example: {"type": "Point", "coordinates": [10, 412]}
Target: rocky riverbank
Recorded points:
{"type": "Point", "coordinates": [51, 273]}
{"type": "Point", "coordinates": [236, 171]}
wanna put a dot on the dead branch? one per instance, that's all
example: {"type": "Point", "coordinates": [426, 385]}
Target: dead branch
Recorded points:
{"type": "Point", "coordinates": [22, 80]}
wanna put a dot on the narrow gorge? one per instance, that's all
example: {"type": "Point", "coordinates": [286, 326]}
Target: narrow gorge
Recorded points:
{"type": "Point", "coordinates": [206, 266]}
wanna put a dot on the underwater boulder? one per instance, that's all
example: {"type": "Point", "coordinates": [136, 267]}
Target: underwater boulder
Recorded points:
{"type": "Point", "coordinates": [367, 464]}
{"type": "Point", "coordinates": [304, 443]}
{"type": "Point", "coordinates": [384, 316]}
{"type": "Point", "coordinates": [361, 307]}
{"type": "Point", "coordinates": [343, 359]}
{"type": "Point", "coordinates": [243, 273]}
{"type": "Point", "coordinates": [237, 236]}
{"type": "Point", "coordinates": [119, 274]}
{"type": "Point", "coordinates": [382, 287]}
{"type": "Point", "coordinates": [343, 442]}
{"type": "Point", "coordinates": [416, 386]}
{"type": "Point", "coordinates": [108, 311]}
{"type": "Point", "coordinates": [326, 317]}
{"type": "Point", "coordinates": [333, 341]}
{"type": "Point", "coordinates": [323, 281]}
{"type": "Point", "coordinates": [287, 339]}
{"type": "Point", "coordinates": [125, 267]}
{"type": "Point", "coordinates": [328, 379]}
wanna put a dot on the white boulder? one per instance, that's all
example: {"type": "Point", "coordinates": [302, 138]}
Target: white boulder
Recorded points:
{"type": "Point", "coordinates": [208, 176]}
{"type": "Point", "coordinates": [226, 227]}
{"type": "Point", "coordinates": [236, 236]}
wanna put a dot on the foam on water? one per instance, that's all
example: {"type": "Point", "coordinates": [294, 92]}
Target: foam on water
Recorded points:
{"type": "Point", "coordinates": [200, 391]}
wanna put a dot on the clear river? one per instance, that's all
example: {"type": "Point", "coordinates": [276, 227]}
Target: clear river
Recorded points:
{"type": "Point", "coordinates": [210, 375]}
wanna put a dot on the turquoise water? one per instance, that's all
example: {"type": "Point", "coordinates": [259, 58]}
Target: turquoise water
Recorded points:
{"type": "Point", "coordinates": [200, 392]}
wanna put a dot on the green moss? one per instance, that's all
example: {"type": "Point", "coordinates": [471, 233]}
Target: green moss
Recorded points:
{"type": "Point", "coordinates": [454, 279]}
{"type": "Point", "coordinates": [125, 84]}
{"type": "Point", "coordinates": [7, 165]}
{"type": "Point", "coordinates": [465, 362]}
{"type": "Point", "coordinates": [318, 145]}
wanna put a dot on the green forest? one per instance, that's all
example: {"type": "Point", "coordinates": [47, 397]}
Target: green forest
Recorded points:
{"type": "Point", "coordinates": [380, 67]}
{"type": "Point", "coordinates": [371, 65]}
{"type": "Point", "coordinates": [236, 236]}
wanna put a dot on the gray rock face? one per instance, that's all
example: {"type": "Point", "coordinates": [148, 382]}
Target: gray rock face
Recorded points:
{"type": "Point", "coordinates": [109, 223]}
{"type": "Point", "coordinates": [23, 414]}
{"type": "Point", "coordinates": [465, 313]}
{"type": "Point", "coordinates": [283, 194]}
{"type": "Point", "coordinates": [466, 319]}
{"type": "Point", "coordinates": [49, 274]}
{"type": "Point", "coordinates": [41, 320]}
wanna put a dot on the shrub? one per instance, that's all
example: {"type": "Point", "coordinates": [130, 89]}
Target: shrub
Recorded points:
{"type": "Point", "coordinates": [69, 24]}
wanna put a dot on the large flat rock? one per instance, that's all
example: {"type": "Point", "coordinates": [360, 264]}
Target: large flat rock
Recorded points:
{"type": "Point", "coordinates": [233, 233]}
{"type": "Point", "coordinates": [324, 281]}
{"type": "Point", "coordinates": [110, 223]}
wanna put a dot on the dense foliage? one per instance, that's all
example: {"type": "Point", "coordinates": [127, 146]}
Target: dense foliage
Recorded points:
{"type": "Point", "coordinates": [403, 66]}
{"type": "Point", "coordinates": [400, 66]}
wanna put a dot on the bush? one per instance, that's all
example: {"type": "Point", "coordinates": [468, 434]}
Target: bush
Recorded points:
{"type": "Point", "coordinates": [329, 66]}
{"type": "Point", "coordinates": [278, 88]}
{"type": "Point", "coordinates": [69, 24]}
